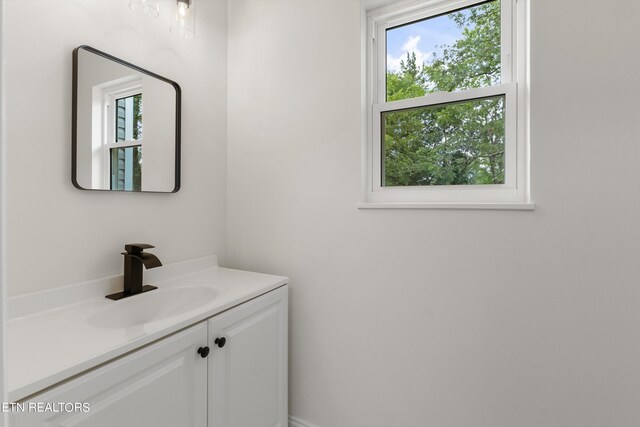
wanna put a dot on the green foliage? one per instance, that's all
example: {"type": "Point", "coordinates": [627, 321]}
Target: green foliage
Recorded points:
{"type": "Point", "coordinates": [452, 144]}
{"type": "Point", "coordinates": [137, 116]}
{"type": "Point", "coordinates": [410, 82]}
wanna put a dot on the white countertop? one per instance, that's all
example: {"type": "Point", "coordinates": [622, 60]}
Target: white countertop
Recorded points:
{"type": "Point", "coordinates": [50, 339]}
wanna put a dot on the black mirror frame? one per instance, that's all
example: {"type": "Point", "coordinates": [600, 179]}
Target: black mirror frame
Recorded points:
{"type": "Point", "coordinates": [74, 119]}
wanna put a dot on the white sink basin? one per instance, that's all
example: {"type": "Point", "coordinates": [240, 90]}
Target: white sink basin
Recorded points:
{"type": "Point", "coordinates": [152, 306]}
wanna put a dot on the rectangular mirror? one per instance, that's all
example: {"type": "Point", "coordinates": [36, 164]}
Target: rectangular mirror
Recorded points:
{"type": "Point", "coordinates": [126, 126]}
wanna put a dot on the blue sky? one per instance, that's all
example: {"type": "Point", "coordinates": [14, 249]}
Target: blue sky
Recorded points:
{"type": "Point", "coordinates": [423, 38]}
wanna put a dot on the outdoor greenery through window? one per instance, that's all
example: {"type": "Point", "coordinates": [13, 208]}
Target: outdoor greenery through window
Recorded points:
{"type": "Point", "coordinates": [129, 118]}
{"type": "Point", "coordinates": [452, 143]}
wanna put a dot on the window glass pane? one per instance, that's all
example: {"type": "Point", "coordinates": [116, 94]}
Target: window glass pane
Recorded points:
{"type": "Point", "coordinates": [129, 118]}
{"type": "Point", "coordinates": [451, 144]}
{"type": "Point", "coordinates": [126, 168]}
{"type": "Point", "coordinates": [455, 51]}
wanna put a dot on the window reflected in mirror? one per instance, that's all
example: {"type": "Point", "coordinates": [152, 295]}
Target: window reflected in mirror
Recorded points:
{"type": "Point", "coordinates": [126, 150]}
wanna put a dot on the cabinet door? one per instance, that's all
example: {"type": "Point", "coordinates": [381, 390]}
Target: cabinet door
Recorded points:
{"type": "Point", "coordinates": [248, 375]}
{"type": "Point", "coordinates": [161, 385]}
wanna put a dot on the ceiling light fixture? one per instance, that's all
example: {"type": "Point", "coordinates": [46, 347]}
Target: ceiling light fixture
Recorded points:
{"type": "Point", "coordinates": [183, 24]}
{"type": "Point", "coordinates": [148, 8]}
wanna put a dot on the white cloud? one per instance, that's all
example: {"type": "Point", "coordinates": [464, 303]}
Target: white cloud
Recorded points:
{"type": "Point", "coordinates": [410, 46]}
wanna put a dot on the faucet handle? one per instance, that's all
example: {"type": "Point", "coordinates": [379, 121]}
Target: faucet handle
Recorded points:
{"type": "Point", "coordinates": [136, 248]}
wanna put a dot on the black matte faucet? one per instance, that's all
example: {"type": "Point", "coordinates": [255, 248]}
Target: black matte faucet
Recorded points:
{"type": "Point", "coordinates": [134, 259]}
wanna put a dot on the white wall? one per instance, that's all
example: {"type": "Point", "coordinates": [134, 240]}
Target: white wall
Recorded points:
{"type": "Point", "coordinates": [59, 235]}
{"type": "Point", "coordinates": [443, 318]}
{"type": "Point", "coordinates": [3, 204]}
{"type": "Point", "coordinates": [158, 158]}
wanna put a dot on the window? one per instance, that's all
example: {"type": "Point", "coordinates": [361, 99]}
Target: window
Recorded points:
{"type": "Point", "coordinates": [125, 146]}
{"type": "Point", "coordinates": [447, 111]}
{"type": "Point", "coordinates": [117, 135]}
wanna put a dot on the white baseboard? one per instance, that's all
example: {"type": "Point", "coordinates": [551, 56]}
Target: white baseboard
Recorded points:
{"type": "Point", "coordinates": [297, 422]}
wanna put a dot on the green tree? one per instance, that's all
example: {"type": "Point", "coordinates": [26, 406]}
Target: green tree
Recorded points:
{"type": "Point", "coordinates": [450, 144]}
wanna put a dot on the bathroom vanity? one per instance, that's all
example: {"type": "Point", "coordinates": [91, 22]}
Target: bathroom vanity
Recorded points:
{"type": "Point", "coordinates": [208, 348]}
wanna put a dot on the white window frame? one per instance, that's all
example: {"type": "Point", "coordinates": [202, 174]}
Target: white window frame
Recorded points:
{"type": "Point", "coordinates": [515, 192]}
{"type": "Point", "coordinates": [103, 140]}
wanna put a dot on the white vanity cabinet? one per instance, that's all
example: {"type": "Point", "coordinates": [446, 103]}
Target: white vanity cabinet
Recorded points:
{"type": "Point", "coordinates": [186, 379]}
{"type": "Point", "coordinates": [163, 384]}
{"type": "Point", "coordinates": [248, 364]}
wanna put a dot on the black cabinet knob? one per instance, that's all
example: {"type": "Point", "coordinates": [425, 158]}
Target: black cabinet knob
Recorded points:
{"type": "Point", "coordinates": [203, 352]}
{"type": "Point", "coordinates": [220, 342]}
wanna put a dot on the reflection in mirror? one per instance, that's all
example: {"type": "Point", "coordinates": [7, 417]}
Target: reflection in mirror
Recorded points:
{"type": "Point", "coordinates": [126, 130]}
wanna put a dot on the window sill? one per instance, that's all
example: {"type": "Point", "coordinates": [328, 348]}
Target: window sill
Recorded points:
{"type": "Point", "coordinates": [474, 206]}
